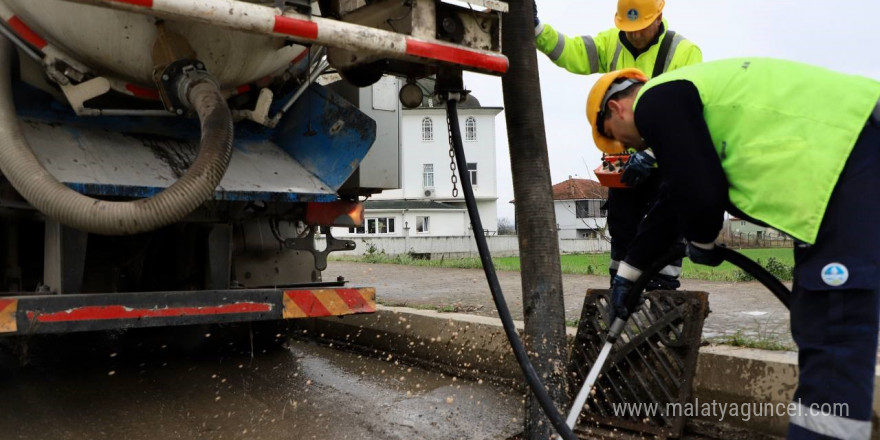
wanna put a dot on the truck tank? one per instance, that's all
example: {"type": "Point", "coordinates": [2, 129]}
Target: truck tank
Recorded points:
{"type": "Point", "coordinates": [119, 44]}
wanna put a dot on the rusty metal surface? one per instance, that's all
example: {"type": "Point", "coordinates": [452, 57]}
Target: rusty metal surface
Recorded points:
{"type": "Point", "coordinates": [654, 361]}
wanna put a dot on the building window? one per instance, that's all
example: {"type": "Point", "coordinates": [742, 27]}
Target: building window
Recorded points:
{"type": "Point", "coordinates": [427, 130]}
{"type": "Point", "coordinates": [375, 225]}
{"type": "Point", "coordinates": [470, 129]}
{"type": "Point", "coordinates": [384, 225]}
{"type": "Point", "coordinates": [428, 175]}
{"type": "Point", "coordinates": [588, 233]}
{"type": "Point", "coordinates": [472, 170]}
{"type": "Point", "coordinates": [589, 209]}
{"type": "Point", "coordinates": [422, 224]}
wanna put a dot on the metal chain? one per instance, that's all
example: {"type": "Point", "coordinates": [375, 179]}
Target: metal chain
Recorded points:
{"type": "Point", "coordinates": [454, 178]}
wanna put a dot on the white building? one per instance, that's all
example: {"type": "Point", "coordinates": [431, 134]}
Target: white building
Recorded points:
{"type": "Point", "coordinates": [578, 206]}
{"type": "Point", "coordinates": [424, 205]}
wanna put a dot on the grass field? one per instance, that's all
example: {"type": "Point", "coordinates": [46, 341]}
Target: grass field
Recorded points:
{"type": "Point", "coordinates": [777, 260]}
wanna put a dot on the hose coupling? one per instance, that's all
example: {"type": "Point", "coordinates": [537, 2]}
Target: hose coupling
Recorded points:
{"type": "Point", "coordinates": [177, 80]}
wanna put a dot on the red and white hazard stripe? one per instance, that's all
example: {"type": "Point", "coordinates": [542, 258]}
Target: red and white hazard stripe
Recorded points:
{"type": "Point", "coordinates": [26, 33]}
{"type": "Point", "coordinates": [328, 302]}
{"type": "Point", "coordinates": [32, 37]}
{"type": "Point", "coordinates": [255, 18]}
{"type": "Point", "coordinates": [21, 28]}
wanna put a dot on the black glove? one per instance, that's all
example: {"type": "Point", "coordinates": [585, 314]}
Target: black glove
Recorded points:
{"type": "Point", "coordinates": [619, 290]}
{"type": "Point", "coordinates": [535, 8]}
{"type": "Point", "coordinates": [613, 273]}
{"type": "Point", "coordinates": [637, 168]}
{"type": "Point", "coordinates": [708, 256]}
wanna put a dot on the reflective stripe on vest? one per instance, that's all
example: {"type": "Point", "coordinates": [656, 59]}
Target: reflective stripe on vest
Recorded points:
{"type": "Point", "coordinates": [677, 38]}
{"type": "Point", "coordinates": [671, 270]}
{"type": "Point", "coordinates": [670, 54]}
{"type": "Point", "coordinates": [823, 423]}
{"type": "Point", "coordinates": [616, 55]}
{"type": "Point", "coordinates": [557, 51]}
{"type": "Point", "coordinates": [592, 53]}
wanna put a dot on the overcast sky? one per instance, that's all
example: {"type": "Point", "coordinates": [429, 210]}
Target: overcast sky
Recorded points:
{"type": "Point", "coordinates": [839, 34]}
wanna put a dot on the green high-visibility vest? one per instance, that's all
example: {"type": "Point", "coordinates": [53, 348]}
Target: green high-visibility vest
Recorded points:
{"type": "Point", "coordinates": [605, 53]}
{"type": "Point", "coordinates": [783, 131]}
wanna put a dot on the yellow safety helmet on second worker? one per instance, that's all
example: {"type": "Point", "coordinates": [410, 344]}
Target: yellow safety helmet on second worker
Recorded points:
{"type": "Point", "coordinates": [597, 99]}
{"type": "Point", "coordinates": [635, 15]}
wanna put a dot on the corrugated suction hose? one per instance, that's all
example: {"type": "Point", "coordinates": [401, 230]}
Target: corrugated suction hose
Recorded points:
{"type": "Point", "coordinates": [28, 176]}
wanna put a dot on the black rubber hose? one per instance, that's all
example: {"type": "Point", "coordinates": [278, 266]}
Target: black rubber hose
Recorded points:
{"type": "Point", "coordinates": [737, 259]}
{"type": "Point", "coordinates": [497, 296]}
{"type": "Point", "coordinates": [754, 269]}
{"type": "Point", "coordinates": [675, 253]}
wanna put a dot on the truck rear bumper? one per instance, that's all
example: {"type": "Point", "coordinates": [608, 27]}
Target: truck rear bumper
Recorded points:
{"type": "Point", "coordinates": [41, 314]}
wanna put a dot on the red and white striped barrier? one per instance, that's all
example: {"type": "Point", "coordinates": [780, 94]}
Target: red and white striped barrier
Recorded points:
{"type": "Point", "coordinates": [250, 17]}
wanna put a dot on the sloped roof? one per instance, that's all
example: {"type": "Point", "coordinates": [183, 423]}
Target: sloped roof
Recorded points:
{"type": "Point", "coordinates": [579, 189]}
{"type": "Point", "coordinates": [407, 204]}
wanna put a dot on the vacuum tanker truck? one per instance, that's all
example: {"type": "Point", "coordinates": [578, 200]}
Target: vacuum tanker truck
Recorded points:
{"type": "Point", "coordinates": [170, 162]}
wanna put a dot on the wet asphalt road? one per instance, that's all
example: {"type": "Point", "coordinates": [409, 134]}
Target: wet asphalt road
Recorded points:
{"type": "Point", "coordinates": [211, 383]}
{"type": "Point", "coordinates": [185, 384]}
{"type": "Point", "coordinates": [171, 384]}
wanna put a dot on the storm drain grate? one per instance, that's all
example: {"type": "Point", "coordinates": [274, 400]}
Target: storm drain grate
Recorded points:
{"type": "Point", "coordinates": [648, 377]}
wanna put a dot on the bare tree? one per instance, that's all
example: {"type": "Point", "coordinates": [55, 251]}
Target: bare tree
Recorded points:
{"type": "Point", "coordinates": [506, 226]}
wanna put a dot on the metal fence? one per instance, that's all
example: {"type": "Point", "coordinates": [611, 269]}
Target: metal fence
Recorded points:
{"type": "Point", "coordinates": [757, 240]}
{"type": "Point", "coordinates": [456, 246]}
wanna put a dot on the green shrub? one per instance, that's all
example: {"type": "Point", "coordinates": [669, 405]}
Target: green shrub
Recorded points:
{"type": "Point", "coordinates": [784, 272]}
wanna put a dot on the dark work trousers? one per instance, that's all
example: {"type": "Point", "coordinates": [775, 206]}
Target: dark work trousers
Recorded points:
{"type": "Point", "coordinates": [836, 304]}
{"type": "Point", "coordinates": [626, 209]}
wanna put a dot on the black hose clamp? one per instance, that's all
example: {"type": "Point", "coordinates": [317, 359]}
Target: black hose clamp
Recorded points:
{"type": "Point", "coordinates": [177, 80]}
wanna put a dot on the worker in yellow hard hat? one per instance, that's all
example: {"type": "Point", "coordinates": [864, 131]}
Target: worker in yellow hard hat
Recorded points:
{"type": "Point", "coordinates": [641, 40]}
{"type": "Point", "coordinates": [606, 87]}
{"type": "Point", "coordinates": [783, 144]}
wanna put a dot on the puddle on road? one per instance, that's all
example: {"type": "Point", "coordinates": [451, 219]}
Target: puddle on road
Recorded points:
{"type": "Point", "coordinates": [159, 385]}
{"type": "Point", "coordinates": [409, 401]}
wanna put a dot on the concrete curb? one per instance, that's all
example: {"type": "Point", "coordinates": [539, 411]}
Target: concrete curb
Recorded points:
{"type": "Point", "coordinates": [475, 346]}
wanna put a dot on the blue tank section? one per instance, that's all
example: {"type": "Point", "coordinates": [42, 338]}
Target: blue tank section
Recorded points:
{"type": "Point", "coordinates": [316, 146]}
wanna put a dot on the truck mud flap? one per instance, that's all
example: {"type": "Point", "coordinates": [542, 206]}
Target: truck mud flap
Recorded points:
{"type": "Point", "coordinates": [41, 314]}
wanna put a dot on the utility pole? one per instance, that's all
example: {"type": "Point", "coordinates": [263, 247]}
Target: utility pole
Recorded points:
{"type": "Point", "coordinates": [543, 305]}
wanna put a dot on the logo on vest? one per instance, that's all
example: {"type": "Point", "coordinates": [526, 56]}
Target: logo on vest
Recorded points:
{"type": "Point", "coordinates": [632, 14]}
{"type": "Point", "coordinates": [834, 274]}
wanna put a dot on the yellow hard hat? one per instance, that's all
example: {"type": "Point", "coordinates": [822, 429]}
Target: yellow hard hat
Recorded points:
{"type": "Point", "coordinates": [635, 15]}
{"type": "Point", "coordinates": [597, 99]}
